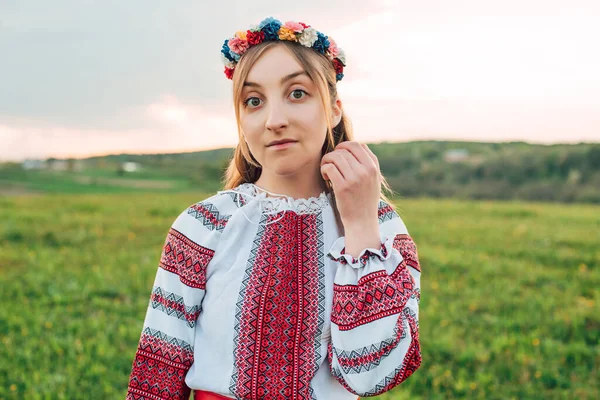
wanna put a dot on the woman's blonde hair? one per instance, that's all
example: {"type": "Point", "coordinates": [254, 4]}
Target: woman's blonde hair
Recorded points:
{"type": "Point", "coordinates": [243, 167]}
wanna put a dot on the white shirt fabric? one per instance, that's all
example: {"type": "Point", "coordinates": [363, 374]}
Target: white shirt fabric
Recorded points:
{"type": "Point", "coordinates": [255, 298]}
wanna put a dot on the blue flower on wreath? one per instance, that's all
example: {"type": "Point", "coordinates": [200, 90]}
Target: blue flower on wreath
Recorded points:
{"type": "Point", "coordinates": [236, 56]}
{"type": "Point", "coordinates": [270, 26]}
{"type": "Point", "coordinates": [226, 51]}
{"type": "Point", "coordinates": [339, 77]}
{"type": "Point", "coordinates": [321, 44]}
{"type": "Point", "coordinates": [267, 21]}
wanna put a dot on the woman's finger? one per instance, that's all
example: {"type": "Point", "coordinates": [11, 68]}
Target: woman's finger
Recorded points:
{"type": "Point", "coordinates": [358, 151]}
{"type": "Point", "coordinates": [354, 164]}
{"type": "Point", "coordinates": [340, 162]}
{"type": "Point", "coordinates": [371, 154]}
{"type": "Point", "coordinates": [330, 173]}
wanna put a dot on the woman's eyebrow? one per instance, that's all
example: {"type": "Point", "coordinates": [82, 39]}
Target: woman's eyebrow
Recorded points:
{"type": "Point", "coordinates": [283, 80]}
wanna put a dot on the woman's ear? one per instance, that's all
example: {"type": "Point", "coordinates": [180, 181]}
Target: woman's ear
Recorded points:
{"type": "Point", "coordinates": [336, 115]}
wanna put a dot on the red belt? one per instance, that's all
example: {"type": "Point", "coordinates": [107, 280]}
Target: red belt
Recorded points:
{"type": "Point", "coordinates": [202, 395]}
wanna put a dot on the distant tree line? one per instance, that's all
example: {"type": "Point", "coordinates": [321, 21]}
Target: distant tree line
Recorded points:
{"type": "Point", "coordinates": [514, 170]}
{"type": "Point", "coordinates": [566, 173]}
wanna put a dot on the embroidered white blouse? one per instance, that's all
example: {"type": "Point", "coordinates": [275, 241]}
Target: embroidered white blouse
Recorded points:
{"type": "Point", "coordinates": [255, 298]}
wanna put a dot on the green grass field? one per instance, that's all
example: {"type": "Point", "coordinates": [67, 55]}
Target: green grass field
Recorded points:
{"type": "Point", "coordinates": [510, 295]}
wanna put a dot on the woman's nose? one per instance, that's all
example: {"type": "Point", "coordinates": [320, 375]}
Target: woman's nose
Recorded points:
{"type": "Point", "coordinates": [277, 118]}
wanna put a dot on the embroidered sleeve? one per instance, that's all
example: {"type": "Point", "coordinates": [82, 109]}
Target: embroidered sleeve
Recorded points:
{"type": "Point", "coordinates": [166, 347]}
{"type": "Point", "coordinates": [375, 329]}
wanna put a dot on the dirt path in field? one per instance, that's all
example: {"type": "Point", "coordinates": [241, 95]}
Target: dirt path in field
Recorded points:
{"type": "Point", "coordinates": [13, 189]}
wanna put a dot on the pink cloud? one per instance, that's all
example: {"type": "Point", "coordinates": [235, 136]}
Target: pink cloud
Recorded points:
{"type": "Point", "coordinates": [168, 125]}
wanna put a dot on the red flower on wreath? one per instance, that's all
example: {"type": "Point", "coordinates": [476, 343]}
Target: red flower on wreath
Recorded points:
{"type": "Point", "coordinates": [339, 67]}
{"type": "Point", "coordinates": [229, 73]}
{"type": "Point", "coordinates": [255, 37]}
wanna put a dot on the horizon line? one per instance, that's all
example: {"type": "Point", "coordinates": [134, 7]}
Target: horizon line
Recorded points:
{"type": "Point", "coordinates": [125, 153]}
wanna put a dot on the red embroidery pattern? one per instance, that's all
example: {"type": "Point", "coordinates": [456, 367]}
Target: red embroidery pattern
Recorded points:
{"type": "Point", "coordinates": [376, 295]}
{"type": "Point", "coordinates": [369, 357]}
{"type": "Point", "coordinates": [385, 212]}
{"type": "Point", "coordinates": [209, 215]}
{"type": "Point", "coordinates": [159, 368]}
{"type": "Point", "coordinates": [280, 317]}
{"type": "Point", "coordinates": [407, 247]}
{"type": "Point", "coordinates": [172, 304]}
{"type": "Point", "coordinates": [364, 360]}
{"type": "Point", "coordinates": [412, 362]}
{"type": "Point", "coordinates": [186, 259]}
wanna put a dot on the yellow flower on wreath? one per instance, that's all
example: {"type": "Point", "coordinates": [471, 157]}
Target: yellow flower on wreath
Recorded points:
{"type": "Point", "coordinates": [287, 34]}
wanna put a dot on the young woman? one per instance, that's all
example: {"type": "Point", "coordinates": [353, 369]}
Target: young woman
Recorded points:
{"type": "Point", "coordinates": [299, 280]}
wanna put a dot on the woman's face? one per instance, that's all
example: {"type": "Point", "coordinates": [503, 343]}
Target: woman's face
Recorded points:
{"type": "Point", "coordinates": [280, 102]}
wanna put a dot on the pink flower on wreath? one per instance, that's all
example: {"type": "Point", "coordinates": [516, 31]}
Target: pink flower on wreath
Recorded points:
{"type": "Point", "coordinates": [294, 26]}
{"type": "Point", "coordinates": [333, 49]}
{"type": "Point", "coordinates": [238, 45]}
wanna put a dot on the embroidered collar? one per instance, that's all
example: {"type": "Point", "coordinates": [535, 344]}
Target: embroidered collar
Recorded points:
{"type": "Point", "coordinates": [274, 205]}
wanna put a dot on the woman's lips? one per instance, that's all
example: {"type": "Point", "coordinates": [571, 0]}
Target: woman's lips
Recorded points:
{"type": "Point", "coordinates": [281, 146]}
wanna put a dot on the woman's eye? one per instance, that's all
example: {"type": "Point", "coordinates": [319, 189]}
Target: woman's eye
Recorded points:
{"type": "Point", "coordinates": [298, 94]}
{"type": "Point", "coordinates": [252, 102]}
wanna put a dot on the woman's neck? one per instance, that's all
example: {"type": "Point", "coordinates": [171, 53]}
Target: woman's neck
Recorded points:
{"type": "Point", "coordinates": [297, 188]}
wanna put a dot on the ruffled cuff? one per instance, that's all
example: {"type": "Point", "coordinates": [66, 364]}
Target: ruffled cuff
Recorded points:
{"type": "Point", "coordinates": [337, 252]}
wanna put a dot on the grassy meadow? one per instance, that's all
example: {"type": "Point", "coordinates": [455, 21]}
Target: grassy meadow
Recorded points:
{"type": "Point", "coordinates": [510, 304]}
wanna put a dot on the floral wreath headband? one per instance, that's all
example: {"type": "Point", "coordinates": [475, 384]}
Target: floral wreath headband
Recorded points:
{"type": "Point", "coordinates": [271, 29]}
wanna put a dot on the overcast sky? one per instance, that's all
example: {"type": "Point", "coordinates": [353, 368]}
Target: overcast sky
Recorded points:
{"type": "Point", "coordinates": [81, 78]}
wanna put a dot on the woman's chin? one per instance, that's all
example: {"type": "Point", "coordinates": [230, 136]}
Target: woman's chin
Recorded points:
{"type": "Point", "coordinates": [286, 168]}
